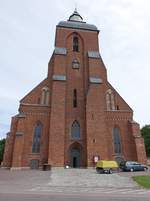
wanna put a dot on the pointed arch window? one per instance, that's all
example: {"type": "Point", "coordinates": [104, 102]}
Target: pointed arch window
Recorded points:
{"type": "Point", "coordinates": [37, 138]}
{"type": "Point", "coordinates": [75, 130]}
{"type": "Point", "coordinates": [110, 100]}
{"type": "Point", "coordinates": [75, 44]}
{"type": "Point", "coordinates": [74, 98]}
{"type": "Point", "coordinates": [116, 140]}
{"type": "Point", "coordinates": [45, 96]}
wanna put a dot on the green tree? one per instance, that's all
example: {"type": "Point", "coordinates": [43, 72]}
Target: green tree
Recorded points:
{"type": "Point", "coordinates": [145, 131]}
{"type": "Point", "coordinates": [2, 146]}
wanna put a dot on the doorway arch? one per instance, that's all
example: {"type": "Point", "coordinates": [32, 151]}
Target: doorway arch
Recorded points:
{"type": "Point", "coordinates": [75, 155]}
{"type": "Point", "coordinates": [75, 158]}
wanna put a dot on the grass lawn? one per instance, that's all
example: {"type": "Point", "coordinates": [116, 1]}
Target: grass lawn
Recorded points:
{"type": "Point", "coordinates": [143, 180]}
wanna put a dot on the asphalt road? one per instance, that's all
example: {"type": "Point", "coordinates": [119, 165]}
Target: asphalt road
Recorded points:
{"type": "Point", "coordinates": [72, 197]}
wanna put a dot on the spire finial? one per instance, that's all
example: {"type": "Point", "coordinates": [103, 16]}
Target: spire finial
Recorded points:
{"type": "Point", "coordinates": [75, 6]}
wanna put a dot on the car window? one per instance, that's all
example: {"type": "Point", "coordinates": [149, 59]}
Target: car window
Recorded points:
{"type": "Point", "coordinates": [137, 163]}
{"type": "Point", "coordinates": [129, 163]}
{"type": "Point", "coordinates": [122, 163]}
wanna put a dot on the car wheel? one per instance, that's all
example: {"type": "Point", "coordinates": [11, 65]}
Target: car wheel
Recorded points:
{"type": "Point", "coordinates": [131, 170]}
{"type": "Point", "coordinates": [110, 171]}
{"type": "Point", "coordinates": [98, 170]}
{"type": "Point", "coordinates": [145, 169]}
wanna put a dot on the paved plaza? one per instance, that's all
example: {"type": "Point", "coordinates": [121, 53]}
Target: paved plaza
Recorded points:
{"type": "Point", "coordinates": [61, 184]}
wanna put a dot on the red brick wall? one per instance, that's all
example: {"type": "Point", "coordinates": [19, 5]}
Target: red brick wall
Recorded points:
{"type": "Point", "coordinates": [96, 128]}
{"type": "Point", "coordinates": [9, 146]}
{"type": "Point", "coordinates": [139, 143]}
{"type": "Point", "coordinates": [57, 125]}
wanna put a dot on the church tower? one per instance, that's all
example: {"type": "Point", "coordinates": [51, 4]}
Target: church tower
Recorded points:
{"type": "Point", "coordinates": [74, 115]}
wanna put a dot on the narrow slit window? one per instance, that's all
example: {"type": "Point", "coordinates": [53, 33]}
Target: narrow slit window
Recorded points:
{"type": "Point", "coordinates": [75, 44]}
{"type": "Point", "coordinates": [74, 98]}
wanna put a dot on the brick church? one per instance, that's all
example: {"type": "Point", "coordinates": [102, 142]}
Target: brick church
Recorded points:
{"type": "Point", "coordinates": [74, 115]}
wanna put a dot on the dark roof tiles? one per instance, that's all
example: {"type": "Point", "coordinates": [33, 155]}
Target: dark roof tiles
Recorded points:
{"type": "Point", "coordinates": [77, 25]}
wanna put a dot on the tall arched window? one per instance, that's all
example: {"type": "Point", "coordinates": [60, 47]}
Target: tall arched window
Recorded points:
{"type": "Point", "coordinates": [75, 44]}
{"type": "Point", "coordinates": [110, 100]}
{"type": "Point", "coordinates": [116, 140]}
{"type": "Point", "coordinates": [37, 138]}
{"type": "Point", "coordinates": [45, 96]}
{"type": "Point", "coordinates": [74, 98]}
{"type": "Point", "coordinates": [75, 130]}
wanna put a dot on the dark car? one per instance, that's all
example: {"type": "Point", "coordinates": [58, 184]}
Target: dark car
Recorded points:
{"type": "Point", "coordinates": [132, 166]}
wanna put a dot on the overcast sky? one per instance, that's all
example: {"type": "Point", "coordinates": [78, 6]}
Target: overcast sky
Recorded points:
{"type": "Point", "coordinates": [27, 32]}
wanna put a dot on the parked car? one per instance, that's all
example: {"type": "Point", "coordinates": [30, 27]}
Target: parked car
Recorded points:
{"type": "Point", "coordinates": [106, 166]}
{"type": "Point", "coordinates": [132, 166]}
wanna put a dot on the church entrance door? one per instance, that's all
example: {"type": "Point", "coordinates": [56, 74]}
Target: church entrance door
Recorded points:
{"type": "Point", "coordinates": [75, 158]}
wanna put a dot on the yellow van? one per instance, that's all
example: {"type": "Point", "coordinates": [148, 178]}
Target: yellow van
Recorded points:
{"type": "Point", "coordinates": [103, 166]}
